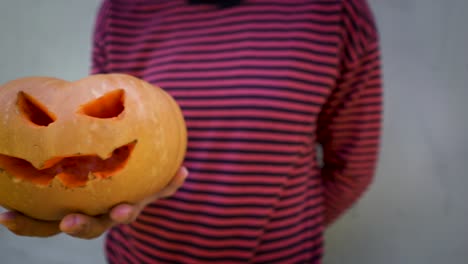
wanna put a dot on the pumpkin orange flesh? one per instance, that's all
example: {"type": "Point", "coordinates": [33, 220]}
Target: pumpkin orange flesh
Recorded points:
{"type": "Point", "coordinates": [73, 171]}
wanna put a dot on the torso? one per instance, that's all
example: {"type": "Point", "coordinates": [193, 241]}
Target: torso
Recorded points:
{"type": "Point", "coordinates": [251, 81]}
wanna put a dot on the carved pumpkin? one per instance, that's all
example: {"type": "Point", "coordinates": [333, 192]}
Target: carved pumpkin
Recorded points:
{"type": "Point", "coordinates": [85, 146]}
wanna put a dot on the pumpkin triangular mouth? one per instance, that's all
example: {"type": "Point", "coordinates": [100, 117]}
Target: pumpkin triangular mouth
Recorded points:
{"type": "Point", "coordinates": [72, 171]}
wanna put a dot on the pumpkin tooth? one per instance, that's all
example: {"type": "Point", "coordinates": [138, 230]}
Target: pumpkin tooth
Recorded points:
{"type": "Point", "coordinates": [51, 162]}
{"type": "Point", "coordinates": [91, 176]}
{"type": "Point", "coordinates": [70, 180]}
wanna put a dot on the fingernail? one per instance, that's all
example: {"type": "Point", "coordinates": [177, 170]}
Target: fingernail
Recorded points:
{"type": "Point", "coordinates": [74, 225]}
{"type": "Point", "coordinates": [69, 223]}
{"type": "Point", "coordinates": [124, 213]}
{"type": "Point", "coordinates": [8, 216]}
{"type": "Point", "coordinates": [186, 172]}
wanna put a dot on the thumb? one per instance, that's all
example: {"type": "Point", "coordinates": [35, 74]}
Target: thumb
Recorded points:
{"type": "Point", "coordinates": [174, 184]}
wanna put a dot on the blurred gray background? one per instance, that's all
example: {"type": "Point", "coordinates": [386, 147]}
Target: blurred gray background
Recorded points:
{"type": "Point", "coordinates": [417, 209]}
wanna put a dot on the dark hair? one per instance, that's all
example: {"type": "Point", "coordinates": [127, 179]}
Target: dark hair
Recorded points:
{"type": "Point", "coordinates": [219, 3]}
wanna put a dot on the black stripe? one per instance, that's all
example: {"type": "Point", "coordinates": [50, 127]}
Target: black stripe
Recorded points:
{"type": "Point", "coordinates": [132, 49]}
{"type": "Point", "coordinates": [226, 52]}
{"type": "Point", "coordinates": [375, 94]}
{"type": "Point", "coordinates": [355, 138]}
{"type": "Point", "coordinates": [227, 57]}
{"type": "Point", "coordinates": [367, 104]}
{"type": "Point", "coordinates": [250, 129]}
{"type": "Point", "coordinates": [240, 162]}
{"type": "Point", "coordinates": [290, 226]}
{"type": "Point", "coordinates": [364, 15]}
{"type": "Point", "coordinates": [262, 184]}
{"type": "Point", "coordinates": [244, 77]}
{"type": "Point", "coordinates": [301, 212]}
{"type": "Point", "coordinates": [282, 142]}
{"type": "Point", "coordinates": [194, 233]}
{"type": "Point", "coordinates": [158, 65]}
{"type": "Point", "coordinates": [290, 122]}
{"type": "Point", "coordinates": [245, 107]}
{"type": "Point", "coordinates": [353, 146]}
{"type": "Point", "coordinates": [358, 122]}
{"type": "Point", "coordinates": [182, 253]}
{"type": "Point", "coordinates": [301, 252]}
{"type": "Point", "coordinates": [159, 28]}
{"type": "Point", "coordinates": [237, 150]}
{"type": "Point", "coordinates": [240, 151]}
{"type": "Point", "coordinates": [248, 174]}
{"type": "Point", "coordinates": [118, 244]}
{"type": "Point", "coordinates": [349, 151]}
{"type": "Point", "coordinates": [225, 195]}
{"type": "Point", "coordinates": [295, 245]}
{"type": "Point", "coordinates": [196, 223]}
{"type": "Point", "coordinates": [208, 87]}
{"type": "Point", "coordinates": [309, 9]}
{"type": "Point", "coordinates": [213, 203]}
{"type": "Point", "coordinates": [230, 107]}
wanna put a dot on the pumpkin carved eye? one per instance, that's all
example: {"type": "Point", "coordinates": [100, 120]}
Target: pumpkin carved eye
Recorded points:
{"type": "Point", "coordinates": [109, 105]}
{"type": "Point", "coordinates": [34, 111]}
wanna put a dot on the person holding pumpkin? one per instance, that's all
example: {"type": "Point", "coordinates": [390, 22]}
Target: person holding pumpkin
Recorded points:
{"type": "Point", "coordinates": [261, 84]}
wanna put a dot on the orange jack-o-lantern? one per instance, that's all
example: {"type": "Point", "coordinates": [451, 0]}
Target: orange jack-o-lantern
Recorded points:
{"type": "Point", "coordinates": [85, 146]}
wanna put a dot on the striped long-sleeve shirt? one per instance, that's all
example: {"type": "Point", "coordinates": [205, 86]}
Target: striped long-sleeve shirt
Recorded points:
{"type": "Point", "coordinates": [261, 85]}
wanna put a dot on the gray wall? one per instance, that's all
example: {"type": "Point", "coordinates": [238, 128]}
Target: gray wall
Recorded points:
{"type": "Point", "coordinates": [416, 211]}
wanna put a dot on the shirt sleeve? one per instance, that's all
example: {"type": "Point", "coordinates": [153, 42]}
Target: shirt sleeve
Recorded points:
{"type": "Point", "coordinates": [349, 124]}
{"type": "Point", "coordinates": [98, 48]}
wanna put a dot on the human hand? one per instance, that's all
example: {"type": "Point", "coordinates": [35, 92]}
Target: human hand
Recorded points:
{"type": "Point", "coordinates": [84, 226]}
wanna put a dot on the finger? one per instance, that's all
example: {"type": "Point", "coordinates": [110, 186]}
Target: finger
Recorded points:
{"type": "Point", "coordinates": [174, 184]}
{"type": "Point", "coordinates": [125, 213]}
{"type": "Point", "coordinates": [24, 226]}
{"type": "Point", "coordinates": [86, 227]}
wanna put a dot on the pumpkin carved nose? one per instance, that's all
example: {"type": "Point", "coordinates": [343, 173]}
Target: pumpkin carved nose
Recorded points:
{"type": "Point", "coordinates": [33, 110]}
